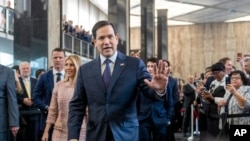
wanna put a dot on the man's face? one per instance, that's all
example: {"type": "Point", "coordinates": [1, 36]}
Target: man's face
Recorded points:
{"type": "Point", "coordinates": [218, 75]}
{"type": "Point", "coordinates": [247, 67]}
{"type": "Point", "coordinates": [190, 79]}
{"type": "Point", "coordinates": [106, 41]}
{"type": "Point", "coordinates": [25, 70]}
{"type": "Point", "coordinates": [228, 66]}
{"type": "Point", "coordinates": [58, 60]}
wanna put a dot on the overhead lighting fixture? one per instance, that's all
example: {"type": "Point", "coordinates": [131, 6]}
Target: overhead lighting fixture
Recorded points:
{"type": "Point", "coordinates": [101, 4]}
{"type": "Point", "coordinates": [241, 19]}
{"type": "Point", "coordinates": [176, 8]}
{"type": "Point", "coordinates": [174, 23]}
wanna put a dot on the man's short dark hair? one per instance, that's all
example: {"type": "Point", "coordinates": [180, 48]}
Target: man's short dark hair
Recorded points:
{"type": "Point", "coordinates": [59, 50]}
{"type": "Point", "coordinates": [224, 60]}
{"type": "Point", "coordinates": [218, 67]}
{"type": "Point", "coordinates": [153, 59]}
{"type": "Point", "coordinates": [101, 24]}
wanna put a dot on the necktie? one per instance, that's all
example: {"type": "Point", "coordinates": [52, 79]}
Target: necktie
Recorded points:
{"type": "Point", "coordinates": [58, 77]}
{"type": "Point", "coordinates": [27, 87]}
{"type": "Point", "coordinates": [106, 74]}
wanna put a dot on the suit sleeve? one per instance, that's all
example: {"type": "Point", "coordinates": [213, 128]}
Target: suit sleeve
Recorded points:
{"type": "Point", "coordinates": [12, 100]}
{"type": "Point", "coordinates": [39, 94]}
{"type": "Point", "coordinates": [77, 109]}
{"type": "Point", "coordinates": [172, 100]}
{"type": "Point", "coordinates": [188, 90]}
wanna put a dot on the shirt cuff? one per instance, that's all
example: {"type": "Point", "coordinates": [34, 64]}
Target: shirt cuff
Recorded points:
{"type": "Point", "coordinates": [217, 99]}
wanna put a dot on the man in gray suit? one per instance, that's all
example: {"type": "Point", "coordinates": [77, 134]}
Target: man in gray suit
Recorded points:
{"type": "Point", "coordinates": [9, 115]}
{"type": "Point", "coordinates": [109, 86]}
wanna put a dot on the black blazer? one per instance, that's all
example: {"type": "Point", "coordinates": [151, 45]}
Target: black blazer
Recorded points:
{"type": "Point", "coordinates": [213, 107]}
{"type": "Point", "coordinates": [189, 95]}
{"type": "Point", "coordinates": [21, 96]}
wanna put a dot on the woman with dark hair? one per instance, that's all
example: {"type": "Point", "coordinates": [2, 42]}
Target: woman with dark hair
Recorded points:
{"type": "Point", "coordinates": [234, 104]}
{"type": "Point", "coordinates": [39, 72]}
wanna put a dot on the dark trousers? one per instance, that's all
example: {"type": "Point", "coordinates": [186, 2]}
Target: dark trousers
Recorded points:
{"type": "Point", "coordinates": [203, 126]}
{"type": "Point", "coordinates": [186, 120]}
{"type": "Point", "coordinates": [29, 128]}
{"type": "Point", "coordinates": [109, 134]}
{"type": "Point", "coordinates": [148, 131]}
{"type": "Point", "coordinates": [212, 127]}
{"type": "Point", "coordinates": [170, 131]}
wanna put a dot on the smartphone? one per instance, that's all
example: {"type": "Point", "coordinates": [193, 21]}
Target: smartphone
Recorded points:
{"type": "Point", "coordinates": [239, 54]}
{"type": "Point", "coordinates": [203, 89]}
{"type": "Point", "coordinates": [228, 80]}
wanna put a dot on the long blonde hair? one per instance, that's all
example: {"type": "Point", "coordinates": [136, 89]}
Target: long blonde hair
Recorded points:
{"type": "Point", "coordinates": [77, 62]}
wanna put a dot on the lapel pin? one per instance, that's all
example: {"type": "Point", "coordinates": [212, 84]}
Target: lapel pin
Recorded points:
{"type": "Point", "coordinates": [122, 64]}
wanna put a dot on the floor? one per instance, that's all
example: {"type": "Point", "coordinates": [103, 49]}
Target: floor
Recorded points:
{"type": "Point", "coordinates": [179, 137]}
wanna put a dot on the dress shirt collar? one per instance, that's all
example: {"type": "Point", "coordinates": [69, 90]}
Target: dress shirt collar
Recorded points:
{"type": "Point", "coordinates": [55, 72]}
{"type": "Point", "coordinates": [112, 58]}
{"type": "Point", "coordinates": [26, 79]}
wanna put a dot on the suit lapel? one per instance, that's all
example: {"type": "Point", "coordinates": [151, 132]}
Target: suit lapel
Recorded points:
{"type": "Point", "coordinates": [120, 65]}
{"type": "Point", "coordinates": [33, 84]}
{"type": "Point", "coordinates": [51, 80]}
{"type": "Point", "coordinates": [98, 75]}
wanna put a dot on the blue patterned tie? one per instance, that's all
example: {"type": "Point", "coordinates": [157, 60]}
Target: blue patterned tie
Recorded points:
{"type": "Point", "coordinates": [106, 74]}
{"type": "Point", "coordinates": [58, 77]}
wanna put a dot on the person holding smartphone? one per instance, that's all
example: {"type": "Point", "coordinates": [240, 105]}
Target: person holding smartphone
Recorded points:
{"type": "Point", "coordinates": [235, 101]}
{"type": "Point", "coordinates": [213, 95]}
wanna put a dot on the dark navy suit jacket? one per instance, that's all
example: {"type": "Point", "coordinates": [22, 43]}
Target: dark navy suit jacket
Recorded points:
{"type": "Point", "coordinates": [161, 112]}
{"type": "Point", "coordinates": [42, 94]}
{"type": "Point", "coordinates": [115, 106]}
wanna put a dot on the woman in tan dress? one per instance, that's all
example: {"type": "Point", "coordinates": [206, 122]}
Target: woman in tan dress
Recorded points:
{"type": "Point", "coordinates": [58, 110]}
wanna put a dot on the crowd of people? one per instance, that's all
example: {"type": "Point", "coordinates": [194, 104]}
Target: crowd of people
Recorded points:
{"type": "Point", "coordinates": [76, 30]}
{"type": "Point", "coordinates": [119, 97]}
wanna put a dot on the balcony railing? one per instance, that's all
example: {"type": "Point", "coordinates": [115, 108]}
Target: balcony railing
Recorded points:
{"type": "Point", "coordinates": [6, 22]}
{"type": "Point", "coordinates": [77, 46]}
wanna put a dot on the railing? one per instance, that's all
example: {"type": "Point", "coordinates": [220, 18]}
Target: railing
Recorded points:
{"type": "Point", "coordinates": [77, 46]}
{"type": "Point", "coordinates": [7, 20]}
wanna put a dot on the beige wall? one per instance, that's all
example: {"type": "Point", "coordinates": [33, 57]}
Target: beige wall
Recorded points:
{"type": "Point", "coordinates": [193, 47]}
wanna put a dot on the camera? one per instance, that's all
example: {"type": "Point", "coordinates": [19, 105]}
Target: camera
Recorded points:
{"type": "Point", "coordinates": [228, 80]}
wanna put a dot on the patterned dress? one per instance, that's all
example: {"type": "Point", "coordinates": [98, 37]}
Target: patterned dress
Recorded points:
{"type": "Point", "coordinates": [235, 108]}
{"type": "Point", "coordinates": [58, 112]}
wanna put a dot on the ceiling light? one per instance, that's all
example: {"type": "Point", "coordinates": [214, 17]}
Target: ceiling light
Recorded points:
{"type": "Point", "coordinates": [245, 18]}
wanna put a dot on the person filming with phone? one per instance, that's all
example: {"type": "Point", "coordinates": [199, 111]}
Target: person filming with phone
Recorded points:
{"type": "Point", "coordinates": [234, 102]}
{"type": "Point", "coordinates": [211, 98]}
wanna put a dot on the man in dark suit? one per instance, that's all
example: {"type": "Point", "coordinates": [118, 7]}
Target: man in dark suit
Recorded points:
{"type": "Point", "coordinates": [189, 97]}
{"type": "Point", "coordinates": [29, 114]}
{"type": "Point", "coordinates": [43, 90]}
{"type": "Point", "coordinates": [9, 115]}
{"type": "Point", "coordinates": [155, 117]}
{"type": "Point", "coordinates": [111, 100]}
